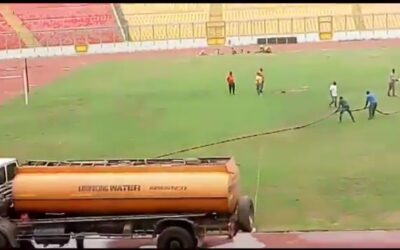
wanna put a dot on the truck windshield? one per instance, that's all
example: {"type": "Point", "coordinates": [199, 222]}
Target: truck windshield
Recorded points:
{"type": "Point", "coordinates": [2, 175]}
{"type": "Point", "coordinates": [11, 171]}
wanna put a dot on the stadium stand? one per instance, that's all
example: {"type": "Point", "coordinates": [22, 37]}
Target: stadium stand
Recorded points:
{"type": "Point", "coordinates": [67, 24]}
{"type": "Point", "coordinates": [376, 16]}
{"type": "Point", "coordinates": [293, 18]}
{"type": "Point", "coordinates": [9, 38]}
{"type": "Point", "coordinates": [380, 8]}
{"type": "Point", "coordinates": [165, 21]}
{"type": "Point", "coordinates": [16, 24]}
{"type": "Point", "coordinates": [31, 25]}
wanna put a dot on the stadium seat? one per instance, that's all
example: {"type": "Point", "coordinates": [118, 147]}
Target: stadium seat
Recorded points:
{"type": "Point", "coordinates": [66, 24]}
{"type": "Point", "coordinates": [166, 21]}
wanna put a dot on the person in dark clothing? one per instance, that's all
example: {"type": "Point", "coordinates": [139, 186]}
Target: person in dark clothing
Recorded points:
{"type": "Point", "coordinates": [231, 83]}
{"type": "Point", "coordinates": [373, 104]}
{"type": "Point", "coordinates": [392, 81]}
{"type": "Point", "coordinates": [344, 107]}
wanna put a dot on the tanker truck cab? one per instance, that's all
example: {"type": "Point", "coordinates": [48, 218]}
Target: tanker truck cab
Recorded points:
{"type": "Point", "coordinates": [176, 201]}
{"type": "Point", "coordinates": [8, 168]}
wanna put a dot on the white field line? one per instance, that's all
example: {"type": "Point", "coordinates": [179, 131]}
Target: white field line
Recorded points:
{"type": "Point", "coordinates": [10, 77]}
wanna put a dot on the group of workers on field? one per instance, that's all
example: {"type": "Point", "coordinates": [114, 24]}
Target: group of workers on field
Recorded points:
{"type": "Point", "coordinates": [343, 106]}
{"type": "Point", "coordinates": [370, 102]}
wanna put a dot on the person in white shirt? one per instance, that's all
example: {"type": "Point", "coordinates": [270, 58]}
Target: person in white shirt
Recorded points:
{"type": "Point", "coordinates": [392, 80]}
{"type": "Point", "coordinates": [333, 93]}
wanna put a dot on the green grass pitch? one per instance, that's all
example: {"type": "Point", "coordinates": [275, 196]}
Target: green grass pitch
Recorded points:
{"type": "Point", "coordinates": [328, 176]}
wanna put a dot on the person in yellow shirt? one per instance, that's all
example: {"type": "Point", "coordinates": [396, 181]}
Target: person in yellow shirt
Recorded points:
{"type": "Point", "coordinates": [261, 73]}
{"type": "Point", "coordinates": [259, 81]}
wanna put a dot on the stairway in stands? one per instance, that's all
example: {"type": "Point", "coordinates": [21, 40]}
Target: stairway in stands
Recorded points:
{"type": "Point", "coordinates": [121, 21]}
{"type": "Point", "coordinates": [24, 34]}
{"type": "Point", "coordinates": [358, 18]}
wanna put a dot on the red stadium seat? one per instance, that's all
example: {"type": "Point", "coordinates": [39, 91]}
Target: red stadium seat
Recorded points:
{"type": "Point", "coordinates": [66, 24]}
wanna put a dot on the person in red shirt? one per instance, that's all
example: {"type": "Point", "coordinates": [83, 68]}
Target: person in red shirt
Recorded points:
{"type": "Point", "coordinates": [231, 83]}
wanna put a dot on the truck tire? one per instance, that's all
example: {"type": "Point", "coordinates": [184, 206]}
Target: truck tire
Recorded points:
{"type": "Point", "coordinates": [80, 243]}
{"type": "Point", "coordinates": [245, 214]}
{"type": "Point", "coordinates": [4, 244]}
{"type": "Point", "coordinates": [26, 244]}
{"type": "Point", "coordinates": [176, 237]}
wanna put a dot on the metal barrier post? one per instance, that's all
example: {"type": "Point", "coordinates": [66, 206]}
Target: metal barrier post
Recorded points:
{"type": "Point", "coordinates": [265, 26]}
{"type": "Point", "coordinates": [6, 40]}
{"type": "Point", "coordinates": [279, 28]}
{"type": "Point", "coordinates": [387, 23]}
{"type": "Point", "coordinates": [291, 26]}
{"type": "Point", "coordinates": [101, 37]}
{"type": "Point", "coordinates": [47, 40]}
{"type": "Point", "coordinates": [238, 31]}
{"type": "Point", "coordinates": [193, 35]}
{"type": "Point", "coordinates": [128, 34]}
{"type": "Point", "coordinates": [140, 34]}
{"type": "Point", "coordinates": [86, 38]}
{"type": "Point", "coordinates": [153, 34]}
{"type": "Point", "coordinates": [251, 28]}
{"type": "Point", "coordinates": [373, 24]}
{"type": "Point", "coordinates": [19, 43]}
{"type": "Point", "coordinates": [60, 40]}
{"type": "Point", "coordinates": [180, 32]}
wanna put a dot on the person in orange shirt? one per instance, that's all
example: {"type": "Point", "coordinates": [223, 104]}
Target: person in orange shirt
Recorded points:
{"type": "Point", "coordinates": [231, 83]}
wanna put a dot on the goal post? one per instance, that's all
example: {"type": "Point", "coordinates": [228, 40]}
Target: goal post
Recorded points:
{"type": "Point", "coordinates": [25, 77]}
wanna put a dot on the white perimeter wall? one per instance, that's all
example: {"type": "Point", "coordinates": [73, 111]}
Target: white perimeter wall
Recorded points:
{"type": "Point", "coordinates": [127, 47]}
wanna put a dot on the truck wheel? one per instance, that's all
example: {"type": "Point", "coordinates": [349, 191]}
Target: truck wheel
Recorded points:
{"type": "Point", "coordinates": [245, 214]}
{"type": "Point", "coordinates": [3, 242]}
{"type": "Point", "coordinates": [79, 243]}
{"type": "Point", "coordinates": [26, 244]}
{"type": "Point", "coordinates": [176, 237]}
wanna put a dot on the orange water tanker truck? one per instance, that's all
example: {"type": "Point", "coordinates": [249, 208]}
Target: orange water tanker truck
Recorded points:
{"type": "Point", "coordinates": [176, 201]}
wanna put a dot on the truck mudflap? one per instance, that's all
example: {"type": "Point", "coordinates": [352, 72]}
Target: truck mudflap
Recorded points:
{"type": "Point", "coordinates": [8, 234]}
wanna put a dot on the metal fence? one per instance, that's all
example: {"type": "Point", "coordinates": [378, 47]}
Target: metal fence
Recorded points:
{"type": "Point", "coordinates": [159, 32]}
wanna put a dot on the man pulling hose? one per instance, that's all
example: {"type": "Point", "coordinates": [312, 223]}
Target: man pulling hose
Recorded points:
{"type": "Point", "coordinates": [373, 104]}
{"type": "Point", "coordinates": [344, 107]}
